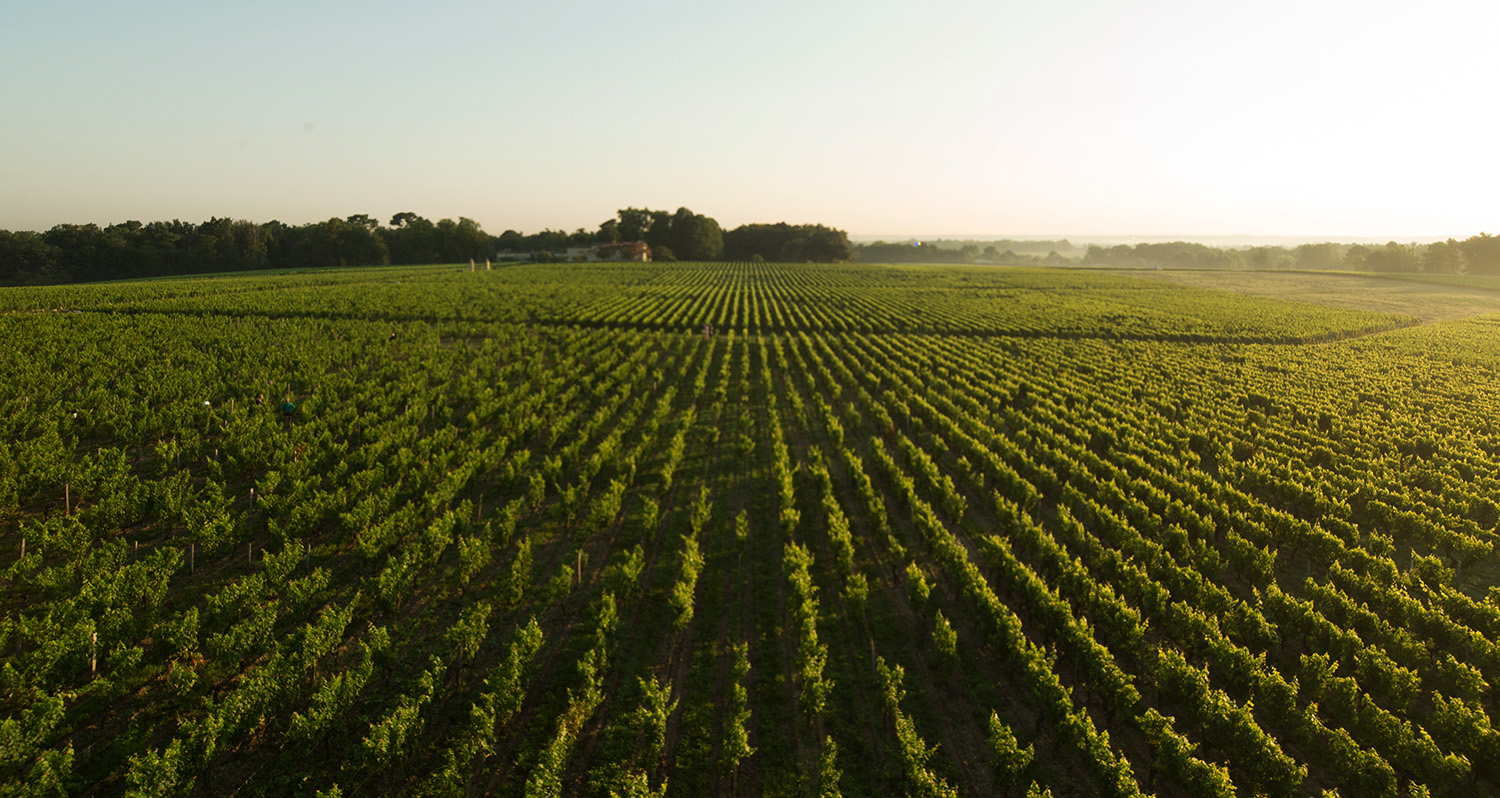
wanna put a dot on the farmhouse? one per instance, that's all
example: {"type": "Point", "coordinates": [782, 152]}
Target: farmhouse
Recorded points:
{"type": "Point", "coordinates": [623, 250]}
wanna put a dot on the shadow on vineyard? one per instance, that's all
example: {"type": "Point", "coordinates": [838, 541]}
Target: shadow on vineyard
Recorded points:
{"type": "Point", "coordinates": [743, 529]}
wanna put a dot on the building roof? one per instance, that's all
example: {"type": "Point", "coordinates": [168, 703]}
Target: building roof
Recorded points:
{"type": "Point", "coordinates": [631, 247]}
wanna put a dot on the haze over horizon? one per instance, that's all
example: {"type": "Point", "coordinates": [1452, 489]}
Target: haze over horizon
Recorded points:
{"type": "Point", "coordinates": [1316, 120]}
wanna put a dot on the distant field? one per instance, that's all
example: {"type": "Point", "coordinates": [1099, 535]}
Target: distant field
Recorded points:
{"type": "Point", "coordinates": [887, 531]}
{"type": "Point", "coordinates": [1432, 297]}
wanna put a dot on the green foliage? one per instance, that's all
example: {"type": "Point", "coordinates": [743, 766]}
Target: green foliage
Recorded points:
{"type": "Point", "coordinates": [917, 587]}
{"type": "Point", "coordinates": [467, 634]}
{"type": "Point", "coordinates": [634, 784]}
{"type": "Point", "coordinates": [651, 716]}
{"type": "Point", "coordinates": [1057, 462]}
{"type": "Point", "coordinates": [828, 771]}
{"type": "Point", "coordinates": [473, 556]}
{"type": "Point", "coordinates": [1011, 760]}
{"type": "Point", "coordinates": [330, 701]}
{"type": "Point", "coordinates": [681, 597]}
{"type": "Point", "coordinates": [519, 577]}
{"type": "Point", "coordinates": [392, 736]}
{"type": "Point", "coordinates": [945, 638]}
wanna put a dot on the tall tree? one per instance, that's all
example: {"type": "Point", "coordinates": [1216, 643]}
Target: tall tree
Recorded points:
{"type": "Point", "coordinates": [1319, 256]}
{"type": "Point", "coordinates": [26, 257]}
{"type": "Point", "coordinates": [1392, 257]}
{"type": "Point", "coordinates": [633, 224]}
{"type": "Point", "coordinates": [1444, 257]}
{"type": "Point", "coordinates": [695, 236]}
{"type": "Point", "coordinates": [786, 242]}
{"type": "Point", "coordinates": [609, 232]}
{"type": "Point", "coordinates": [659, 231]}
{"type": "Point", "coordinates": [411, 239]}
{"type": "Point", "coordinates": [1482, 253]}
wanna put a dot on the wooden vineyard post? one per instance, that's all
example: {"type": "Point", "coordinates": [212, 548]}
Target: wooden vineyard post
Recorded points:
{"type": "Point", "coordinates": [67, 498]}
{"type": "Point", "coordinates": [94, 655]}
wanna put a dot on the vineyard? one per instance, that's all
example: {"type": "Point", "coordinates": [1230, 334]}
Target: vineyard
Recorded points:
{"type": "Point", "coordinates": [743, 529]}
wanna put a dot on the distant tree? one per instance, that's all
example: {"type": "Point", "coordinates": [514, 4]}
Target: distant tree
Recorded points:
{"type": "Point", "coordinates": [411, 239]}
{"type": "Point", "coordinates": [827, 245]}
{"type": "Point", "coordinates": [792, 250]}
{"type": "Point", "coordinates": [1319, 256]}
{"type": "Point", "coordinates": [336, 242]}
{"type": "Point", "coordinates": [78, 248]}
{"type": "Point", "coordinates": [1482, 253]}
{"type": "Point", "coordinates": [549, 240]}
{"type": "Point", "coordinates": [659, 232]}
{"type": "Point", "coordinates": [1393, 257]}
{"type": "Point", "coordinates": [1444, 257]}
{"type": "Point", "coordinates": [633, 224]}
{"type": "Point", "coordinates": [470, 241]}
{"type": "Point", "coordinates": [786, 242]}
{"type": "Point", "coordinates": [245, 245]}
{"type": "Point", "coordinates": [456, 242]}
{"type": "Point", "coordinates": [1355, 257]}
{"type": "Point", "coordinates": [1268, 258]}
{"type": "Point", "coordinates": [695, 236]}
{"type": "Point", "coordinates": [1173, 254]}
{"type": "Point", "coordinates": [26, 258]}
{"type": "Point", "coordinates": [510, 241]}
{"type": "Point", "coordinates": [692, 236]}
{"type": "Point", "coordinates": [609, 232]}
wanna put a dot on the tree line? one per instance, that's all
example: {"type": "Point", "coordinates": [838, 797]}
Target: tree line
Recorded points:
{"type": "Point", "coordinates": [1474, 255]}
{"type": "Point", "coordinates": [1002, 251]}
{"type": "Point", "coordinates": [87, 252]}
{"type": "Point", "coordinates": [1015, 253]}
{"type": "Point", "coordinates": [685, 235]}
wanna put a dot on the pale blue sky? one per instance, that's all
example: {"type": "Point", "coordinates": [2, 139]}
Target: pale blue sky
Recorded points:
{"type": "Point", "coordinates": [1072, 117]}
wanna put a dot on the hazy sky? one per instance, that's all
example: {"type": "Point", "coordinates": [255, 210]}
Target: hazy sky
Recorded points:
{"type": "Point", "coordinates": [1071, 116]}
